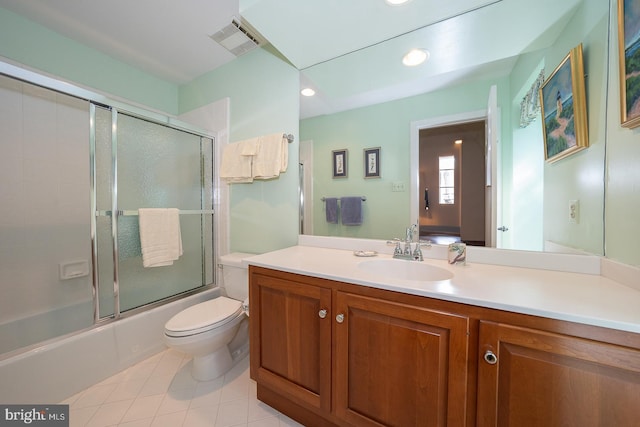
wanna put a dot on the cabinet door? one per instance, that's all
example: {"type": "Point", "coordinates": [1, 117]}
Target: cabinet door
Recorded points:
{"type": "Point", "coordinates": [291, 339]}
{"type": "Point", "coordinates": [535, 378]}
{"type": "Point", "coordinates": [399, 365]}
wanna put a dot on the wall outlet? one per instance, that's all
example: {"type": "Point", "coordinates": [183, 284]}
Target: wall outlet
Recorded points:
{"type": "Point", "coordinates": [397, 186]}
{"type": "Point", "coordinates": [574, 211]}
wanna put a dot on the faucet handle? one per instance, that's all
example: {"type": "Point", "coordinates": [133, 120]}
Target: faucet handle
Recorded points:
{"type": "Point", "coordinates": [395, 241]}
{"type": "Point", "coordinates": [417, 253]}
{"type": "Point", "coordinates": [426, 243]}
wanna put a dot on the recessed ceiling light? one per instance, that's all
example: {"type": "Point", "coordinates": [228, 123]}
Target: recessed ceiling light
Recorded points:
{"type": "Point", "coordinates": [396, 2]}
{"type": "Point", "coordinates": [307, 92]}
{"type": "Point", "coordinates": [415, 57]}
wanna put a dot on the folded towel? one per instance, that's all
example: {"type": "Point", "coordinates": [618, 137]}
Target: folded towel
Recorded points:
{"type": "Point", "coordinates": [272, 156]}
{"type": "Point", "coordinates": [160, 237]}
{"type": "Point", "coordinates": [351, 210]}
{"type": "Point", "coordinates": [331, 208]}
{"type": "Point", "coordinates": [237, 160]}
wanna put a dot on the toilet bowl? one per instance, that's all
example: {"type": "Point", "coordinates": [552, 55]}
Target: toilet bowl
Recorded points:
{"type": "Point", "coordinates": [215, 332]}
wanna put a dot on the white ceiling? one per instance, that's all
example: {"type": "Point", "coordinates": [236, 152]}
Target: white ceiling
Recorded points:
{"type": "Point", "coordinates": [348, 50]}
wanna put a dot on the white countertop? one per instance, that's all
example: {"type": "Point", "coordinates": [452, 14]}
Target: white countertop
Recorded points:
{"type": "Point", "coordinates": [584, 298]}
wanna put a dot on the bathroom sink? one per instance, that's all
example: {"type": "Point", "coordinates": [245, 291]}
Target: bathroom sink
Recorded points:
{"type": "Point", "coordinates": [406, 270]}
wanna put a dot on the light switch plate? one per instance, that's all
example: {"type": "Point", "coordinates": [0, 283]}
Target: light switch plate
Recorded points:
{"type": "Point", "coordinates": [397, 186]}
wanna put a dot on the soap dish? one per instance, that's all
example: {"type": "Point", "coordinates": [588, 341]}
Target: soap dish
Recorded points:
{"type": "Point", "coordinates": [365, 253]}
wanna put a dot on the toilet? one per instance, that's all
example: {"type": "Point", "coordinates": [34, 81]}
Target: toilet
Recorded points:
{"type": "Point", "coordinates": [215, 332]}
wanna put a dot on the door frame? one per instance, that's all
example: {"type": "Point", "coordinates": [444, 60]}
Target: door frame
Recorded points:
{"type": "Point", "coordinates": [414, 150]}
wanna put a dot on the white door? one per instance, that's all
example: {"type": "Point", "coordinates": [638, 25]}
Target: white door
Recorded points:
{"type": "Point", "coordinates": [496, 230]}
{"type": "Point", "coordinates": [306, 187]}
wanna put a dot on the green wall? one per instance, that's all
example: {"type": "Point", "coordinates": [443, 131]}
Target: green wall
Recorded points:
{"type": "Point", "coordinates": [34, 46]}
{"type": "Point", "coordinates": [622, 201]}
{"type": "Point", "coordinates": [386, 125]}
{"type": "Point", "coordinates": [264, 214]}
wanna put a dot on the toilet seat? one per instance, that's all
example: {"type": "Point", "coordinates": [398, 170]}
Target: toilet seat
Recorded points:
{"type": "Point", "coordinates": [203, 317]}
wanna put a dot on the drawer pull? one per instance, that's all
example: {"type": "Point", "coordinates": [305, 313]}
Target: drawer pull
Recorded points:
{"type": "Point", "coordinates": [340, 318]}
{"type": "Point", "coordinates": [490, 357]}
{"type": "Point", "coordinates": [322, 313]}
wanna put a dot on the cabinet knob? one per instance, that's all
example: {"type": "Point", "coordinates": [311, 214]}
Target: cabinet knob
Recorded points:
{"type": "Point", "coordinates": [490, 357]}
{"type": "Point", "coordinates": [340, 318]}
{"type": "Point", "coordinates": [322, 313]}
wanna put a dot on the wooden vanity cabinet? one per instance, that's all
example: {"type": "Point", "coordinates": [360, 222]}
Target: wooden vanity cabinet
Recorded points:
{"type": "Point", "coordinates": [290, 338]}
{"type": "Point", "coordinates": [352, 358]}
{"type": "Point", "coordinates": [398, 364]}
{"type": "Point", "coordinates": [539, 378]}
{"type": "Point", "coordinates": [382, 358]}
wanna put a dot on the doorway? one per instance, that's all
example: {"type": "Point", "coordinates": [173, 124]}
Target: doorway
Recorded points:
{"type": "Point", "coordinates": [451, 175]}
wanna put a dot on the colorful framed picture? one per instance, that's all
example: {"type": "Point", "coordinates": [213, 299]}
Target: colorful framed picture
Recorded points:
{"type": "Point", "coordinates": [629, 56]}
{"type": "Point", "coordinates": [340, 163]}
{"type": "Point", "coordinates": [564, 108]}
{"type": "Point", "coordinates": [372, 162]}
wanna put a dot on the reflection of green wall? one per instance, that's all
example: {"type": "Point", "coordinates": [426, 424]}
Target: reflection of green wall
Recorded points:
{"type": "Point", "coordinates": [622, 214]}
{"type": "Point", "coordinates": [580, 176]}
{"type": "Point", "coordinates": [387, 125]}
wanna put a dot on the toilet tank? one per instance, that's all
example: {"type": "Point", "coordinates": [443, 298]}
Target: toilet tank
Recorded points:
{"type": "Point", "coordinates": [235, 276]}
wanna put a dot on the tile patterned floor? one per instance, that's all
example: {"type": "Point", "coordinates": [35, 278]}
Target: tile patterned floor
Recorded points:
{"type": "Point", "coordinates": [160, 392]}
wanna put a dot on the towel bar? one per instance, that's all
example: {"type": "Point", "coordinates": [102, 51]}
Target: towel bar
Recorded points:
{"type": "Point", "coordinates": [135, 212]}
{"type": "Point", "coordinates": [364, 198]}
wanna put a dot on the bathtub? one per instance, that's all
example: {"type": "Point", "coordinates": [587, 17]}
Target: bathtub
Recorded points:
{"type": "Point", "coordinates": [63, 367]}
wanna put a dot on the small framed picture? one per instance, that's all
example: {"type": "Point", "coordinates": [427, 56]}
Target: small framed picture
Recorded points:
{"type": "Point", "coordinates": [372, 162]}
{"type": "Point", "coordinates": [340, 163]}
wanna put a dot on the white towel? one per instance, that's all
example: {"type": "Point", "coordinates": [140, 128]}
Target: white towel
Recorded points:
{"type": "Point", "coordinates": [272, 156]}
{"type": "Point", "coordinates": [237, 160]}
{"type": "Point", "coordinates": [160, 236]}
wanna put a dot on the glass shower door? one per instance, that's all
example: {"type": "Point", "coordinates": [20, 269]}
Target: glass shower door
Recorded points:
{"type": "Point", "coordinates": [149, 165]}
{"type": "Point", "coordinates": [158, 167]}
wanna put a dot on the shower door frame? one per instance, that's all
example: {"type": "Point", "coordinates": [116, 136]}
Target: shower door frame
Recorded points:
{"type": "Point", "coordinates": [96, 99]}
{"type": "Point", "coordinates": [115, 213]}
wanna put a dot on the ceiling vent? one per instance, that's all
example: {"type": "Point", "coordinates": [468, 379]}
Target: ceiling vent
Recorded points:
{"type": "Point", "coordinates": [237, 37]}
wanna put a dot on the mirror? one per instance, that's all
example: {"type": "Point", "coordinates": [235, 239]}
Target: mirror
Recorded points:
{"type": "Point", "coordinates": [536, 200]}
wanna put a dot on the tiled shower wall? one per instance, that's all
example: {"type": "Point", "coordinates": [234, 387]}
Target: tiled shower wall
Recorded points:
{"type": "Point", "coordinates": [44, 214]}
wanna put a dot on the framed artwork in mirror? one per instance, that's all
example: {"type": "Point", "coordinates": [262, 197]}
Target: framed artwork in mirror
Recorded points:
{"type": "Point", "coordinates": [339, 163]}
{"type": "Point", "coordinates": [629, 57]}
{"type": "Point", "coordinates": [564, 108]}
{"type": "Point", "coordinates": [372, 162]}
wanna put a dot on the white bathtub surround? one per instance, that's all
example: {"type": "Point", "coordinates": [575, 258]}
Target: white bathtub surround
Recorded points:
{"type": "Point", "coordinates": [64, 366]}
{"type": "Point", "coordinates": [577, 297]}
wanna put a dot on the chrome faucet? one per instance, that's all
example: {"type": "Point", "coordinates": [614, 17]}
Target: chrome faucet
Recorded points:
{"type": "Point", "coordinates": [407, 253]}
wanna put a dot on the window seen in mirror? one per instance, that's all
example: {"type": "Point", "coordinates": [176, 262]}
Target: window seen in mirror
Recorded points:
{"type": "Point", "coordinates": [447, 170]}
